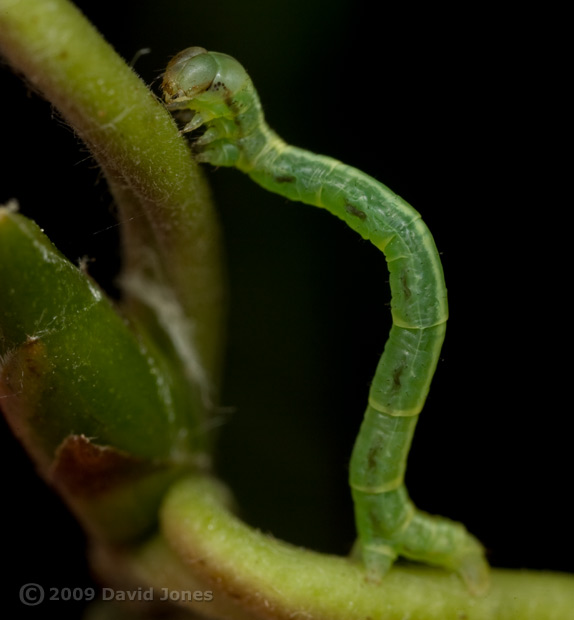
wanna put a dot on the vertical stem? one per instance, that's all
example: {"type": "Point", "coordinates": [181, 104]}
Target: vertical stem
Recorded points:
{"type": "Point", "coordinates": [136, 142]}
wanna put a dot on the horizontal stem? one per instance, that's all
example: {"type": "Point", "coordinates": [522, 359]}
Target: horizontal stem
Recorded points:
{"type": "Point", "coordinates": [272, 579]}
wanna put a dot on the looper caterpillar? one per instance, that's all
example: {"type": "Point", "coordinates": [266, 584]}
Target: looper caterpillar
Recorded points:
{"type": "Point", "coordinates": [216, 88]}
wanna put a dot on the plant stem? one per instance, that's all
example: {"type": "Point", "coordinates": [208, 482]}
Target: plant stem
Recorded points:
{"type": "Point", "coordinates": [277, 580]}
{"type": "Point", "coordinates": [205, 547]}
{"type": "Point", "coordinates": [149, 166]}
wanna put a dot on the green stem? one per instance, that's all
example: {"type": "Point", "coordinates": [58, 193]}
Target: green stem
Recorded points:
{"type": "Point", "coordinates": [138, 146]}
{"type": "Point", "coordinates": [276, 580]}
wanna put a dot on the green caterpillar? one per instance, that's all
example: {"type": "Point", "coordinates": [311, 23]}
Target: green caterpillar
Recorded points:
{"type": "Point", "coordinates": [217, 89]}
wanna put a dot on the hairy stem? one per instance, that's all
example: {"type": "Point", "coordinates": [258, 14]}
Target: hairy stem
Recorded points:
{"type": "Point", "coordinates": [202, 540]}
{"type": "Point", "coordinates": [138, 146]}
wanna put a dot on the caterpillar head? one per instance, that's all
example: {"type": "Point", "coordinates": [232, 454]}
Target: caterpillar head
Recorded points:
{"type": "Point", "coordinates": [215, 88]}
{"type": "Point", "coordinates": [206, 78]}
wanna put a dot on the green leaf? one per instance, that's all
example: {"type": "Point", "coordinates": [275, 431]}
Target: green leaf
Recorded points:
{"type": "Point", "coordinates": [73, 367]}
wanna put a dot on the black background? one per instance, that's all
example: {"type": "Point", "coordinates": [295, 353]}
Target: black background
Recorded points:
{"type": "Point", "coordinates": [435, 105]}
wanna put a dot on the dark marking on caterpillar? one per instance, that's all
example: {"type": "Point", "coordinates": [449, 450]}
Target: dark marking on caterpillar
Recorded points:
{"type": "Point", "coordinates": [397, 372]}
{"type": "Point", "coordinates": [352, 210]}
{"type": "Point", "coordinates": [373, 456]}
{"type": "Point", "coordinates": [406, 289]}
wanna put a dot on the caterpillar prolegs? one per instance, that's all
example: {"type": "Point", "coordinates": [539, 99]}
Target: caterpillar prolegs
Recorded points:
{"type": "Point", "coordinates": [217, 89]}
